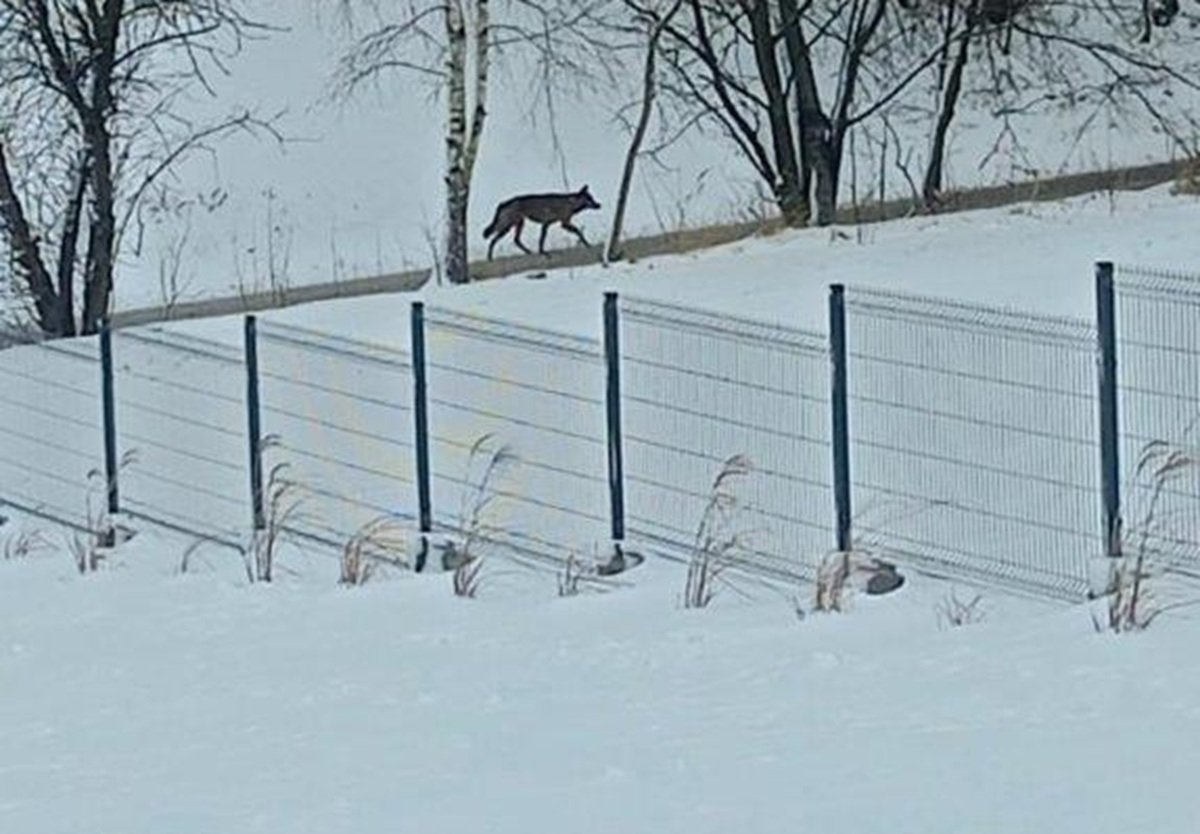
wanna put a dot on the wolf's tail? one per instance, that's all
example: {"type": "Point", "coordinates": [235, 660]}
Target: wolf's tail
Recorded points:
{"type": "Point", "coordinates": [492, 226]}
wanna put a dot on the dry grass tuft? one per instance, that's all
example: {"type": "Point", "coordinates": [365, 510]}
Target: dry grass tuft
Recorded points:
{"type": "Point", "coordinates": [381, 540]}
{"type": "Point", "coordinates": [955, 613]}
{"type": "Point", "coordinates": [718, 538]}
{"type": "Point", "coordinates": [486, 464]}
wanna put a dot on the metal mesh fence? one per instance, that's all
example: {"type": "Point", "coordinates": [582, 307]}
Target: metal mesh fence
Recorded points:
{"type": "Point", "coordinates": [181, 429]}
{"type": "Point", "coordinates": [538, 393]}
{"type": "Point", "coordinates": [1158, 378]}
{"type": "Point", "coordinates": [973, 433]}
{"type": "Point", "coordinates": [337, 422]}
{"type": "Point", "coordinates": [699, 389]}
{"type": "Point", "coordinates": [51, 435]}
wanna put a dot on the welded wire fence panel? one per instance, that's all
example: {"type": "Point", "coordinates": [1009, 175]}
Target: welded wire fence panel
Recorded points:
{"type": "Point", "coordinates": [540, 395]}
{"type": "Point", "coordinates": [51, 439]}
{"type": "Point", "coordinates": [973, 439]}
{"type": "Point", "coordinates": [700, 389]}
{"type": "Point", "coordinates": [181, 427]}
{"type": "Point", "coordinates": [1158, 377]}
{"type": "Point", "coordinates": [337, 415]}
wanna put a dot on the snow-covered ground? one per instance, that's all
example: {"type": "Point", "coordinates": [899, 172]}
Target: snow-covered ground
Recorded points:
{"type": "Point", "coordinates": [146, 699]}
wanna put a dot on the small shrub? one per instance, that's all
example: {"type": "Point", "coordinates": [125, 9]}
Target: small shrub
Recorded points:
{"type": "Point", "coordinates": [381, 540]}
{"type": "Point", "coordinates": [283, 500]}
{"type": "Point", "coordinates": [467, 577]}
{"type": "Point", "coordinates": [718, 538]}
{"type": "Point", "coordinates": [24, 544]}
{"type": "Point", "coordinates": [954, 612]}
{"type": "Point", "coordinates": [1130, 602]}
{"type": "Point", "coordinates": [185, 559]}
{"type": "Point", "coordinates": [833, 576]}
{"type": "Point", "coordinates": [570, 576]}
{"type": "Point", "coordinates": [89, 545]}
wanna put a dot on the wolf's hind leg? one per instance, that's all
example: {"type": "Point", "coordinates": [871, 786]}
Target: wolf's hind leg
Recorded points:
{"type": "Point", "coordinates": [517, 237]}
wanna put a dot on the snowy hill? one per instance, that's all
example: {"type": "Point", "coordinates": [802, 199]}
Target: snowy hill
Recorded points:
{"type": "Point", "coordinates": [147, 698]}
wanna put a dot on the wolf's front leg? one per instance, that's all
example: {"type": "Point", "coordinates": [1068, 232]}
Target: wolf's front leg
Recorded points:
{"type": "Point", "coordinates": [570, 227]}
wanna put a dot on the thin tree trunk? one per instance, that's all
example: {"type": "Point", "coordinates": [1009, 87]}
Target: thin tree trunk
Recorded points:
{"type": "Point", "coordinates": [865, 22]}
{"type": "Point", "coordinates": [68, 249]}
{"type": "Point", "coordinates": [649, 93]}
{"type": "Point", "coordinates": [932, 186]}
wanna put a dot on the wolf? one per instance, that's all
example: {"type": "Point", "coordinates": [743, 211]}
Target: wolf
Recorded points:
{"type": "Point", "coordinates": [538, 208]}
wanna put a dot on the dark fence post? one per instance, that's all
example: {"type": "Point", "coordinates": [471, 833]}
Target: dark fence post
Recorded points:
{"type": "Point", "coordinates": [421, 427]}
{"type": "Point", "coordinates": [109, 404]}
{"type": "Point", "coordinates": [840, 411]}
{"type": "Point", "coordinates": [254, 423]}
{"type": "Point", "coordinates": [616, 461]}
{"type": "Point", "coordinates": [1110, 462]}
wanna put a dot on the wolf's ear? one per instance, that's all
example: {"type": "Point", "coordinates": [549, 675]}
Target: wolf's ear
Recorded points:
{"type": "Point", "coordinates": [584, 190]}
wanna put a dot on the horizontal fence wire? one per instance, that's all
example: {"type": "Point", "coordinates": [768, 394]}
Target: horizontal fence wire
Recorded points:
{"type": "Point", "coordinates": [337, 418]}
{"type": "Point", "coordinates": [973, 439]}
{"type": "Point", "coordinates": [1158, 378]}
{"type": "Point", "coordinates": [181, 433]}
{"type": "Point", "coordinates": [51, 435]}
{"type": "Point", "coordinates": [700, 389]}
{"type": "Point", "coordinates": [538, 395]}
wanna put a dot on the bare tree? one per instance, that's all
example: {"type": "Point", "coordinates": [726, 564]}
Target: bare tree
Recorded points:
{"type": "Point", "coordinates": [90, 124]}
{"type": "Point", "coordinates": [449, 43]}
{"type": "Point", "coordinates": [452, 44]}
{"type": "Point", "coordinates": [657, 23]}
{"type": "Point", "coordinates": [1097, 59]}
{"type": "Point", "coordinates": [757, 68]}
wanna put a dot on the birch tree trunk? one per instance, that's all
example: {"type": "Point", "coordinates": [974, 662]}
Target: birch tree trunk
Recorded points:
{"type": "Point", "coordinates": [463, 134]}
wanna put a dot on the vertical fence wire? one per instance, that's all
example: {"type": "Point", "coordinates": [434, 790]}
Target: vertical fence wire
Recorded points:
{"type": "Point", "coordinates": [1158, 372]}
{"type": "Point", "coordinates": [974, 439]}
{"type": "Point", "coordinates": [702, 389]}
{"type": "Point", "coordinates": [538, 395]}
{"type": "Point", "coordinates": [51, 432]}
{"type": "Point", "coordinates": [181, 429]}
{"type": "Point", "coordinates": [338, 448]}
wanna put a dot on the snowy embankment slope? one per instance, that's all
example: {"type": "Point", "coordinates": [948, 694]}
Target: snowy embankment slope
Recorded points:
{"type": "Point", "coordinates": [1034, 256]}
{"type": "Point", "coordinates": [140, 700]}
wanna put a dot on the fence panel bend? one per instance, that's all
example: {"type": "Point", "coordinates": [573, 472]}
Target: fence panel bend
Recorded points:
{"type": "Point", "coordinates": [181, 428]}
{"type": "Point", "coordinates": [338, 447]}
{"type": "Point", "coordinates": [538, 395]}
{"type": "Point", "coordinates": [702, 390]}
{"type": "Point", "coordinates": [51, 432]}
{"type": "Point", "coordinates": [1158, 379]}
{"type": "Point", "coordinates": [974, 439]}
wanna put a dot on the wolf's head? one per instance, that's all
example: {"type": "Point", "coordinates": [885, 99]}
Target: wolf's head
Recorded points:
{"type": "Point", "coordinates": [585, 200]}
